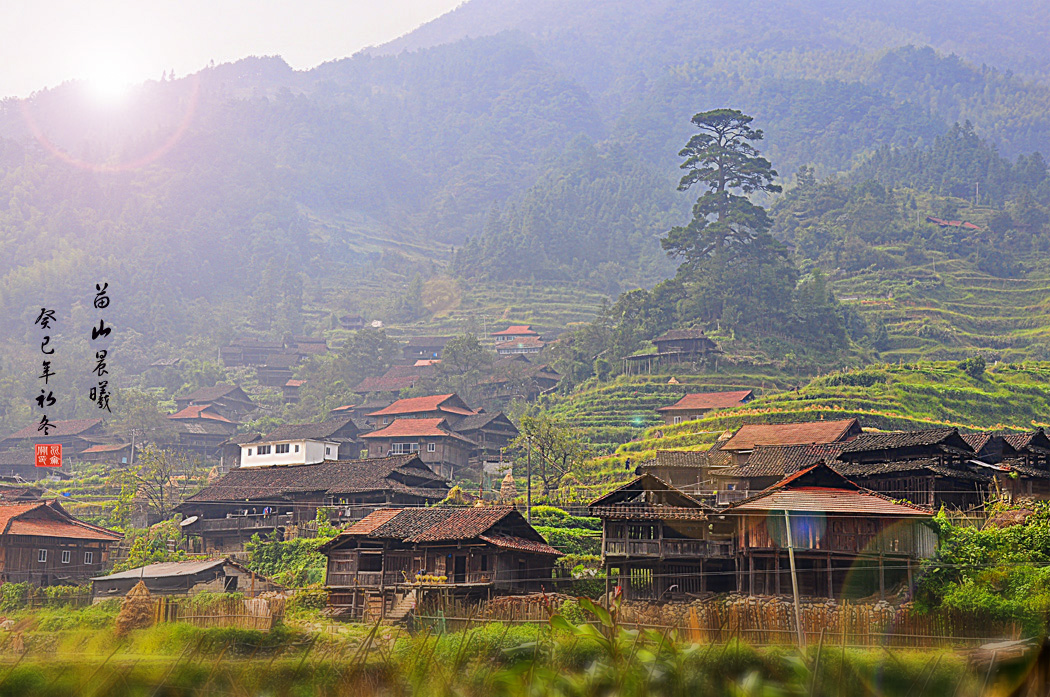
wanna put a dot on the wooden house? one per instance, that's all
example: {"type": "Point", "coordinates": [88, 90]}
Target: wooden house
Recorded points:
{"type": "Point", "coordinates": [184, 578]}
{"type": "Point", "coordinates": [516, 377]}
{"type": "Point", "coordinates": [1024, 470]}
{"type": "Point", "coordinates": [394, 552]}
{"type": "Point", "coordinates": [303, 444]}
{"type": "Point", "coordinates": [109, 453]}
{"type": "Point", "coordinates": [20, 465]}
{"type": "Point", "coordinates": [201, 430]}
{"type": "Point", "coordinates": [228, 401]}
{"type": "Point", "coordinates": [659, 542]}
{"type": "Point", "coordinates": [290, 391]}
{"type": "Point", "coordinates": [490, 432]}
{"type": "Point", "coordinates": [352, 323]}
{"type": "Point", "coordinates": [432, 439]}
{"type": "Point", "coordinates": [248, 352]}
{"type": "Point", "coordinates": [42, 544]}
{"type": "Point", "coordinates": [694, 406]}
{"type": "Point", "coordinates": [514, 332]}
{"type": "Point", "coordinates": [846, 541]}
{"type": "Point", "coordinates": [523, 346]}
{"type": "Point", "coordinates": [765, 466]}
{"type": "Point", "coordinates": [674, 347]}
{"type": "Point", "coordinates": [278, 368]}
{"type": "Point", "coordinates": [686, 470]}
{"type": "Point", "coordinates": [424, 347]}
{"type": "Point", "coordinates": [264, 500]}
{"type": "Point", "coordinates": [932, 467]}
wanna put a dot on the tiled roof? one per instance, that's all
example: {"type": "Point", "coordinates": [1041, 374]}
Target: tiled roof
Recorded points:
{"type": "Point", "coordinates": [417, 405]}
{"type": "Point", "coordinates": [520, 544]}
{"type": "Point", "coordinates": [517, 330]}
{"type": "Point", "coordinates": [473, 423]}
{"type": "Point", "coordinates": [199, 411]}
{"type": "Point", "coordinates": [678, 458]}
{"type": "Point", "coordinates": [396, 378]}
{"type": "Point", "coordinates": [977, 440]}
{"type": "Point", "coordinates": [417, 428]}
{"type": "Point", "coordinates": [398, 473]}
{"type": "Point", "coordinates": [895, 440]}
{"type": "Point", "coordinates": [210, 394]}
{"type": "Point", "coordinates": [206, 427]}
{"type": "Point", "coordinates": [627, 495]}
{"type": "Point", "coordinates": [819, 432]}
{"type": "Point", "coordinates": [295, 383]}
{"type": "Point", "coordinates": [708, 400]}
{"type": "Point", "coordinates": [446, 525]}
{"type": "Point", "coordinates": [49, 519]}
{"type": "Point", "coordinates": [521, 342]}
{"type": "Point", "coordinates": [827, 500]}
{"type": "Point", "coordinates": [71, 427]}
{"type": "Point", "coordinates": [105, 448]}
{"type": "Point", "coordinates": [781, 460]}
{"type": "Point", "coordinates": [319, 431]}
{"type": "Point", "coordinates": [870, 469]}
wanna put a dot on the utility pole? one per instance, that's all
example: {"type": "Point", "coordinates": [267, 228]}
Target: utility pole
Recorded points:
{"type": "Point", "coordinates": [528, 482]}
{"type": "Point", "coordinates": [794, 582]}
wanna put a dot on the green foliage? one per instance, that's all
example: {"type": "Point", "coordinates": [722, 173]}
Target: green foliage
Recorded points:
{"type": "Point", "coordinates": [294, 563]}
{"type": "Point", "coordinates": [550, 516]}
{"type": "Point", "coordinates": [153, 546]}
{"type": "Point", "coordinates": [572, 540]}
{"type": "Point", "coordinates": [973, 366]}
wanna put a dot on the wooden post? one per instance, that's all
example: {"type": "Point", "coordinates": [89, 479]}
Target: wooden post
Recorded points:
{"type": "Point", "coordinates": [882, 579]}
{"type": "Point", "coordinates": [750, 574]}
{"type": "Point", "coordinates": [794, 582]}
{"type": "Point", "coordinates": [703, 577]}
{"type": "Point", "coordinates": [910, 582]}
{"type": "Point", "coordinates": [528, 483]}
{"type": "Point", "coordinates": [831, 584]}
{"type": "Point", "coordinates": [776, 565]}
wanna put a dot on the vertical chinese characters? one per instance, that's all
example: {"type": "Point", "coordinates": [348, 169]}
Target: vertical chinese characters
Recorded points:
{"type": "Point", "coordinates": [46, 398]}
{"type": "Point", "coordinates": [99, 393]}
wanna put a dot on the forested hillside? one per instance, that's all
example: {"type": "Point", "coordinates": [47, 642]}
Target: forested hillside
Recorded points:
{"type": "Point", "coordinates": [515, 149]}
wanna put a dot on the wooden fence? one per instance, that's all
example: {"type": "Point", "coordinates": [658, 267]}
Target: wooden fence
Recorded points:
{"type": "Point", "coordinates": [755, 621]}
{"type": "Point", "coordinates": [241, 613]}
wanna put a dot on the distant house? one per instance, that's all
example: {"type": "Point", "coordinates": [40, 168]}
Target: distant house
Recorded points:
{"type": "Point", "coordinates": [20, 465]}
{"type": "Point", "coordinates": [659, 542]}
{"type": "Point", "coordinates": [397, 378]}
{"type": "Point", "coordinates": [74, 435]}
{"type": "Point", "coordinates": [360, 413]}
{"type": "Point", "coordinates": [394, 553]}
{"type": "Point", "coordinates": [516, 377]}
{"type": "Point", "coordinates": [184, 578]}
{"type": "Point", "coordinates": [766, 465]}
{"type": "Point", "coordinates": [352, 323]}
{"type": "Point", "coordinates": [847, 541]}
{"type": "Point", "coordinates": [226, 400]}
{"type": "Point", "coordinates": [750, 436]}
{"type": "Point", "coordinates": [491, 433]}
{"type": "Point", "coordinates": [201, 429]}
{"type": "Point", "coordinates": [265, 500]}
{"type": "Point", "coordinates": [290, 391]}
{"type": "Point", "coordinates": [672, 347]}
{"type": "Point", "coordinates": [686, 470]}
{"type": "Point", "coordinates": [277, 369]}
{"type": "Point", "coordinates": [305, 346]}
{"type": "Point", "coordinates": [424, 347]}
{"type": "Point", "coordinates": [249, 352]}
{"type": "Point", "coordinates": [433, 439]}
{"type": "Point", "coordinates": [442, 406]}
{"type": "Point", "coordinates": [303, 444]}
{"type": "Point", "coordinates": [939, 222]}
{"type": "Point", "coordinates": [111, 453]}
{"type": "Point", "coordinates": [694, 406]}
{"type": "Point", "coordinates": [42, 544]}
{"type": "Point", "coordinates": [525, 346]}
{"type": "Point", "coordinates": [514, 333]}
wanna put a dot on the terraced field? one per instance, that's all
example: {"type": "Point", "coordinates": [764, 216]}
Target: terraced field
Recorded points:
{"type": "Point", "coordinates": [947, 310]}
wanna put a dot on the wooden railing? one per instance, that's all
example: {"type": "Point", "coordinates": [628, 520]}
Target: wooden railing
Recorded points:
{"type": "Point", "coordinates": [668, 548]}
{"type": "Point", "coordinates": [247, 522]}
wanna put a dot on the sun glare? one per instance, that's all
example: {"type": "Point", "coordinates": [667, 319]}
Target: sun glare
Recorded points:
{"type": "Point", "coordinates": [108, 82]}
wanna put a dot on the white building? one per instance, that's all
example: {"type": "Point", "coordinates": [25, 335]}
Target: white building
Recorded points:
{"type": "Point", "coordinates": [303, 444]}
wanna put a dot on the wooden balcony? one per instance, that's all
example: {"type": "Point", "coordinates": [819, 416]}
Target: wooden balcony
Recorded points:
{"type": "Point", "coordinates": [668, 548]}
{"type": "Point", "coordinates": [238, 524]}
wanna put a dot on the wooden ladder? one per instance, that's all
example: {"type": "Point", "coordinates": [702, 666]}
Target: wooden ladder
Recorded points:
{"type": "Point", "coordinates": [401, 608]}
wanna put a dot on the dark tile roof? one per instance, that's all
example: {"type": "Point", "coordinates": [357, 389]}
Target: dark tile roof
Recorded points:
{"type": "Point", "coordinates": [318, 431]}
{"type": "Point", "coordinates": [442, 524]}
{"type": "Point", "coordinates": [977, 440]}
{"type": "Point", "coordinates": [781, 460]}
{"type": "Point", "coordinates": [896, 440]}
{"type": "Point", "coordinates": [428, 341]}
{"type": "Point", "coordinates": [678, 458]}
{"type": "Point", "coordinates": [680, 334]}
{"type": "Point", "coordinates": [399, 473]}
{"type": "Point", "coordinates": [932, 465]}
{"type": "Point", "coordinates": [70, 427]}
{"type": "Point", "coordinates": [395, 379]}
{"type": "Point", "coordinates": [208, 394]}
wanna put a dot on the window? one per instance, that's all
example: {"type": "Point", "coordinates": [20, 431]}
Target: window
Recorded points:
{"type": "Point", "coordinates": [677, 420]}
{"type": "Point", "coordinates": [296, 448]}
{"type": "Point", "coordinates": [249, 452]}
{"type": "Point", "coordinates": [89, 557]}
{"type": "Point", "coordinates": [431, 447]}
{"type": "Point", "coordinates": [281, 448]}
{"type": "Point", "coordinates": [404, 448]}
{"type": "Point", "coordinates": [41, 556]}
{"type": "Point", "coordinates": [484, 562]}
{"type": "Point", "coordinates": [327, 450]}
{"type": "Point", "coordinates": [370, 562]}
{"type": "Point", "coordinates": [264, 449]}
{"type": "Point", "coordinates": [66, 555]}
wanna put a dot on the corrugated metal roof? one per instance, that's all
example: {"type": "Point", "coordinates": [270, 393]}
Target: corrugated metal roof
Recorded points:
{"type": "Point", "coordinates": [165, 569]}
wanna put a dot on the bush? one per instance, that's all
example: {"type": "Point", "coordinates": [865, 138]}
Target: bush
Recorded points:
{"type": "Point", "coordinates": [973, 366]}
{"type": "Point", "coordinates": [572, 541]}
{"type": "Point", "coordinates": [309, 599]}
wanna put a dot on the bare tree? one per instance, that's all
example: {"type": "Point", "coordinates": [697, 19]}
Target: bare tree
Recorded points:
{"type": "Point", "coordinates": [556, 448]}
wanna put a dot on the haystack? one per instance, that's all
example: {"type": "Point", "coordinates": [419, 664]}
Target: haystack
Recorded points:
{"type": "Point", "coordinates": [136, 611]}
{"type": "Point", "coordinates": [507, 491]}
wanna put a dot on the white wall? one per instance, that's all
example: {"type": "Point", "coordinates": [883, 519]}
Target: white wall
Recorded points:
{"type": "Point", "coordinates": [310, 452]}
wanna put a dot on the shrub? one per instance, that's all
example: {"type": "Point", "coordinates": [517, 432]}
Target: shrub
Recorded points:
{"type": "Point", "coordinates": [973, 366]}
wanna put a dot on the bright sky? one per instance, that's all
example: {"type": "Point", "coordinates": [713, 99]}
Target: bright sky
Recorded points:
{"type": "Point", "coordinates": [46, 42]}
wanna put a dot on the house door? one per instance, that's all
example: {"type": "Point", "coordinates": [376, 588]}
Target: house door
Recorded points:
{"type": "Point", "coordinates": [459, 569]}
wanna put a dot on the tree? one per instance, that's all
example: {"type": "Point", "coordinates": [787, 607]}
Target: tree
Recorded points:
{"type": "Point", "coordinates": [464, 362]}
{"type": "Point", "coordinates": [556, 448]}
{"type": "Point", "coordinates": [163, 478]}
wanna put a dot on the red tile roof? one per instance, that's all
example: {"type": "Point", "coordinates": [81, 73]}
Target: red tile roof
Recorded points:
{"type": "Point", "coordinates": [708, 400]}
{"type": "Point", "coordinates": [517, 330]}
{"type": "Point", "coordinates": [416, 428]}
{"type": "Point", "coordinates": [48, 519]}
{"type": "Point", "coordinates": [417, 405]}
{"type": "Point", "coordinates": [816, 432]}
{"type": "Point", "coordinates": [198, 411]}
{"type": "Point", "coordinates": [106, 448]}
{"type": "Point", "coordinates": [71, 427]}
{"type": "Point", "coordinates": [295, 383]}
{"type": "Point", "coordinates": [520, 544]}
